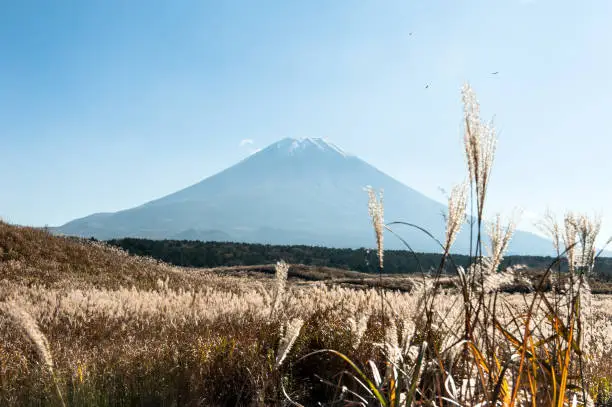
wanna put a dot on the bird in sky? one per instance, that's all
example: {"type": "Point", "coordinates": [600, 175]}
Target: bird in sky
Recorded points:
{"type": "Point", "coordinates": [494, 73]}
{"type": "Point", "coordinates": [427, 86]}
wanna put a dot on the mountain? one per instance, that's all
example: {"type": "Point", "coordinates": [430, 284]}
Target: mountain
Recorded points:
{"type": "Point", "coordinates": [295, 191]}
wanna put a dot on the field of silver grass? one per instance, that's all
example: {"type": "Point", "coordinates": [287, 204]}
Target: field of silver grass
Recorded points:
{"type": "Point", "coordinates": [116, 330]}
{"type": "Point", "coordinates": [90, 333]}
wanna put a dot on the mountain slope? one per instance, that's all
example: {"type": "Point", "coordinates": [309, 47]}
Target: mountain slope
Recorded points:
{"type": "Point", "coordinates": [305, 191]}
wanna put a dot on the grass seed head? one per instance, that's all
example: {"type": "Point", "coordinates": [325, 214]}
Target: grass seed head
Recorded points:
{"type": "Point", "coordinates": [292, 331]}
{"type": "Point", "coordinates": [457, 204]}
{"type": "Point", "coordinates": [480, 141]}
{"type": "Point", "coordinates": [23, 320]}
{"type": "Point", "coordinates": [376, 210]}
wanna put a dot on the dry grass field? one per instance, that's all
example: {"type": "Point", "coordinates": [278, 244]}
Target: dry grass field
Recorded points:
{"type": "Point", "coordinates": [84, 324]}
{"type": "Point", "coordinates": [112, 329]}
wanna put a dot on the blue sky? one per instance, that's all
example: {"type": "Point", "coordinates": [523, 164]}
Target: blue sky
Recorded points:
{"type": "Point", "coordinates": [105, 105]}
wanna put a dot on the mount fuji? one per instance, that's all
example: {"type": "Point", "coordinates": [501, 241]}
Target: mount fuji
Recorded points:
{"type": "Point", "coordinates": [296, 191]}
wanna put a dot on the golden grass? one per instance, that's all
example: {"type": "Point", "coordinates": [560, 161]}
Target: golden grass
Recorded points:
{"type": "Point", "coordinates": [122, 328]}
{"type": "Point", "coordinates": [83, 324]}
{"type": "Point", "coordinates": [201, 336]}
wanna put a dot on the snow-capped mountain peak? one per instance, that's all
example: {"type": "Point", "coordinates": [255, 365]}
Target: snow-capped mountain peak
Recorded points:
{"type": "Point", "coordinates": [295, 191]}
{"type": "Point", "coordinates": [293, 146]}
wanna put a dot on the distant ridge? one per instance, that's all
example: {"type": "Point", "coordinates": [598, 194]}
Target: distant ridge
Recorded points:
{"type": "Point", "coordinates": [295, 191]}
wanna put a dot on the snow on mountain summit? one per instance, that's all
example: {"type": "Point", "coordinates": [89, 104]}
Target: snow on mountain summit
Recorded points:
{"type": "Point", "coordinates": [293, 146]}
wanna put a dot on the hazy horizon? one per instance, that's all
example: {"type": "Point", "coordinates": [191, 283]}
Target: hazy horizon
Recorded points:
{"type": "Point", "coordinates": [108, 105]}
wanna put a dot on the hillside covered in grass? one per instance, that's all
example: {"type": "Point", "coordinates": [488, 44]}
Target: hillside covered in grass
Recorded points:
{"type": "Point", "coordinates": [121, 329]}
{"type": "Point", "coordinates": [86, 324]}
{"type": "Point", "coordinates": [31, 256]}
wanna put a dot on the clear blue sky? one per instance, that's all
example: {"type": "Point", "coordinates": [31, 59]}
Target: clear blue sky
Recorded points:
{"type": "Point", "coordinates": [105, 105]}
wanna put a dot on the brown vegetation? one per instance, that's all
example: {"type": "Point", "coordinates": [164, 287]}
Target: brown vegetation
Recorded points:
{"type": "Point", "coordinates": [122, 328]}
{"type": "Point", "coordinates": [136, 331]}
{"type": "Point", "coordinates": [84, 324]}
